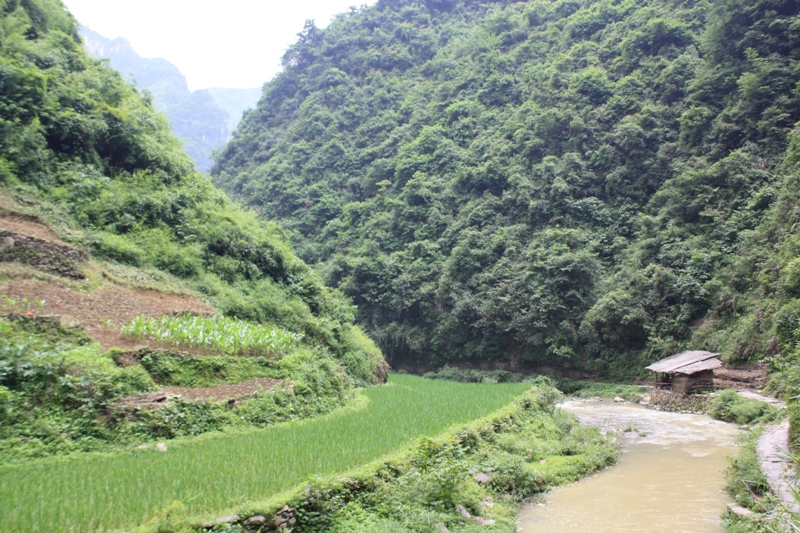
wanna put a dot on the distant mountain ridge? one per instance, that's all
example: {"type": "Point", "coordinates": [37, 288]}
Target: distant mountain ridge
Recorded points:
{"type": "Point", "coordinates": [202, 119]}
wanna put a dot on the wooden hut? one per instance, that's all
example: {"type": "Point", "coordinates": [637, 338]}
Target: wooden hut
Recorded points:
{"type": "Point", "coordinates": [686, 372]}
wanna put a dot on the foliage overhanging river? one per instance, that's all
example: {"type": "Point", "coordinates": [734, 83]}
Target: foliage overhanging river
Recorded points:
{"type": "Point", "coordinates": [669, 478]}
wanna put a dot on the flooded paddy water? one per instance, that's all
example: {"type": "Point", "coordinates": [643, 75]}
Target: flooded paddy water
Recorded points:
{"type": "Point", "coordinates": [669, 478]}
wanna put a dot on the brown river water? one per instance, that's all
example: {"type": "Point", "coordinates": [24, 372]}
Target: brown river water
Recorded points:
{"type": "Point", "coordinates": [669, 478]}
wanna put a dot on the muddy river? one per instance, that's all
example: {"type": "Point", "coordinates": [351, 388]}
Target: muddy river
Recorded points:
{"type": "Point", "coordinates": [669, 478]}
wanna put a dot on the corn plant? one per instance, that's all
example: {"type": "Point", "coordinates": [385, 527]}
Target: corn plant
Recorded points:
{"type": "Point", "coordinates": [216, 334]}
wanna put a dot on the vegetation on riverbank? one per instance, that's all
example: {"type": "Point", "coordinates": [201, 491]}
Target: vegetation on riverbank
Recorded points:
{"type": "Point", "coordinates": [749, 488]}
{"type": "Point", "coordinates": [521, 450]}
{"type": "Point", "coordinates": [570, 387]}
{"type": "Point", "coordinates": [747, 484]}
{"type": "Point", "coordinates": [729, 406]}
{"type": "Point", "coordinates": [216, 471]}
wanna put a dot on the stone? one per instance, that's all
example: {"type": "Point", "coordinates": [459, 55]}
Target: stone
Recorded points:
{"type": "Point", "coordinates": [207, 525]}
{"type": "Point", "coordinates": [442, 529]}
{"type": "Point", "coordinates": [229, 519]}
{"type": "Point", "coordinates": [257, 520]}
{"type": "Point", "coordinates": [738, 510]}
{"type": "Point", "coordinates": [161, 447]}
{"type": "Point", "coordinates": [487, 503]}
{"type": "Point", "coordinates": [619, 400]}
{"type": "Point", "coordinates": [8, 242]}
{"type": "Point", "coordinates": [483, 478]}
{"type": "Point", "coordinates": [69, 321]}
{"type": "Point", "coordinates": [141, 447]}
{"type": "Point", "coordinates": [460, 508]}
{"type": "Point", "coordinates": [484, 521]}
{"type": "Point", "coordinates": [285, 518]}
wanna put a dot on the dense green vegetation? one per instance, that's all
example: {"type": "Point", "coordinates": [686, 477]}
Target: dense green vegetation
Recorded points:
{"type": "Point", "coordinates": [215, 334]}
{"type": "Point", "coordinates": [88, 157]}
{"type": "Point", "coordinates": [217, 471]}
{"type": "Point", "coordinates": [60, 393]}
{"type": "Point", "coordinates": [578, 389]}
{"type": "Point", "coordinates": [748, 486]}
{"type": "Point", "coordinates": [526, 448]}
{"type": "Point", "coordinates": [731, 407]}
{"type": "Point", "coordinates": [203, 120]}
{"type": "Point", "coordinates": [100, 164]}
{"type": "Point", "coordinates": [575, 182]}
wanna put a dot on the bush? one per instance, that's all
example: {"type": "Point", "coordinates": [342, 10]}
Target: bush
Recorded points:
{"type": "Point", "coordinates": [731, 407]}
{"type": "Point", "coordinates": [118, 248]}
{"type": "Point", "coordinates": [794, 424]}
{"type": "Point", "coordinates": [450, 373]}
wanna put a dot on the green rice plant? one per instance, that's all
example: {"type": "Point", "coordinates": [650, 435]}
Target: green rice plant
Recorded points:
{"type": "Point", "coordinates": [100, 492]}
{"type": "Point", "coordinates": [215, 334]}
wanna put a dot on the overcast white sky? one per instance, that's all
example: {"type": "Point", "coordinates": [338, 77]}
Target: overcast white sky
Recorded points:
{"type": "Point", "coordinates": [222, 43]}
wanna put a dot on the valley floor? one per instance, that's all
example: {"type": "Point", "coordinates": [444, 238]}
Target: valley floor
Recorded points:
{"type": "Point", "coordinates": [93, 491]}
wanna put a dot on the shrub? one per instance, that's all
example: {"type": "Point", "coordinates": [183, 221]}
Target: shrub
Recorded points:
{"type": "Point", "coordinates": [119, 248]}
{"type": "Point", "coordinates": [731, 407]}
{"type": "Point", "coordinates": [794, 424]}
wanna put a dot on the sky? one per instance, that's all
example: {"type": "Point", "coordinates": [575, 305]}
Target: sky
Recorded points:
{"type": "Point", "coordinates": [228, 43]}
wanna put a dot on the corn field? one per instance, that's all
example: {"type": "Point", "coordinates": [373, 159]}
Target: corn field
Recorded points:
{"type": "Point", "coordinates": [216, 334]}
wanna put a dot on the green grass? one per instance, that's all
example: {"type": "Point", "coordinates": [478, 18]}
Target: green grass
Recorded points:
{"type": "Point", "coordinates": [731, 407]}
{"type": "Point", "coordinates": [97, 492]}
{"type": "Point", "coordinates": [216, 334]}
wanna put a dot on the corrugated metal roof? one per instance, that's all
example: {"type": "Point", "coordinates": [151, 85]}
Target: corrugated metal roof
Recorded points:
{"type": "Point", "coordinates": [675, 363]}
{"type": "Point", "coordinates": [708, 364]}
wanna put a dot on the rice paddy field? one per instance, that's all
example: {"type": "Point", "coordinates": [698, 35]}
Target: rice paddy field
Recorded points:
{"type": "Point", "coordinates": [93, 493]}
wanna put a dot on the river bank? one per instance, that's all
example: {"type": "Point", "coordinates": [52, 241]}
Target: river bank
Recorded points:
{"type": "Point", "coordinates": [670, 475]}
{"type": "Point", "coordinates": [471, 475]}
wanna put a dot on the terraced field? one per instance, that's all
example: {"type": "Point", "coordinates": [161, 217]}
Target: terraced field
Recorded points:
{"type": "Point", "coordinates": [207, 474]}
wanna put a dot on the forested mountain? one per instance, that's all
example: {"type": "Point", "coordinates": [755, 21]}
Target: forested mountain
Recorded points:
{"type": "Point", "coordinates": [202, 119]}
{"type": "Point", "coordinates": [234, 102]}
{"type": "Point", "coordinates": [84, 149]}
{"type": "Point", "coordinates": [574, 182]}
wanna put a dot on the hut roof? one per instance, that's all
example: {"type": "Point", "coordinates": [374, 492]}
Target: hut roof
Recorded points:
{"type": "Point", "coordinates": [687, 362]}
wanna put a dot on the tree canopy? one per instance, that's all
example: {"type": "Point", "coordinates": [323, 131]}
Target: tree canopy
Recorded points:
{"type": "Point", "coordinates": [576, 182]}
{"type": "Point", "coordinates": [85, 145]}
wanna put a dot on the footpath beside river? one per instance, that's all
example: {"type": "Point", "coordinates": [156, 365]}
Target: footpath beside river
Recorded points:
{"type": "Point", "coordinates": [670, 476]}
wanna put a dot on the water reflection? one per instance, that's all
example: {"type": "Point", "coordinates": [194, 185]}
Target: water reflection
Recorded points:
{"type": "Point", "coordinates": [669, 478]}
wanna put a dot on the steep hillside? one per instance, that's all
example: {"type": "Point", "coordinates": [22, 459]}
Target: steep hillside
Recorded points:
{"type": "Point", "coordinates": [203, 120]}
{"type": "Point", "coordinates": [235, 102]}
{"type": "Point", "coordinates": [586, 183]}
{"type": "Point", "coordinates": [124, 272]}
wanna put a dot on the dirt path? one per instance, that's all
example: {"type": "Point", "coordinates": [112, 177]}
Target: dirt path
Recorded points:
{"type": "Point", "coordinates": [235, 392]}
{"type": "Point", "coordinates": [238, 391]}
{"type": "Point", "coordinates": [753, 395]}
{"type": "Point", "coordinates": [103, 312]}
{"type": "Point", "coordinates": [773, 458]}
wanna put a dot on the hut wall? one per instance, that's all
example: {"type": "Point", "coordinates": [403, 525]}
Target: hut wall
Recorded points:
{"type": "Point", "coordinates": [701, 381]}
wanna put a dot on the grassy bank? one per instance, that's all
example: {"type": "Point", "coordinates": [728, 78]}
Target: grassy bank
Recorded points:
{"type": "Point", "coordinates": [217, 471]}
{"type": "Point", "coordinates": [746, 482]}
{"type": "Point", "coordinates": [469, 478]}
{"type": "Point", "coordinates": [571, 387]}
